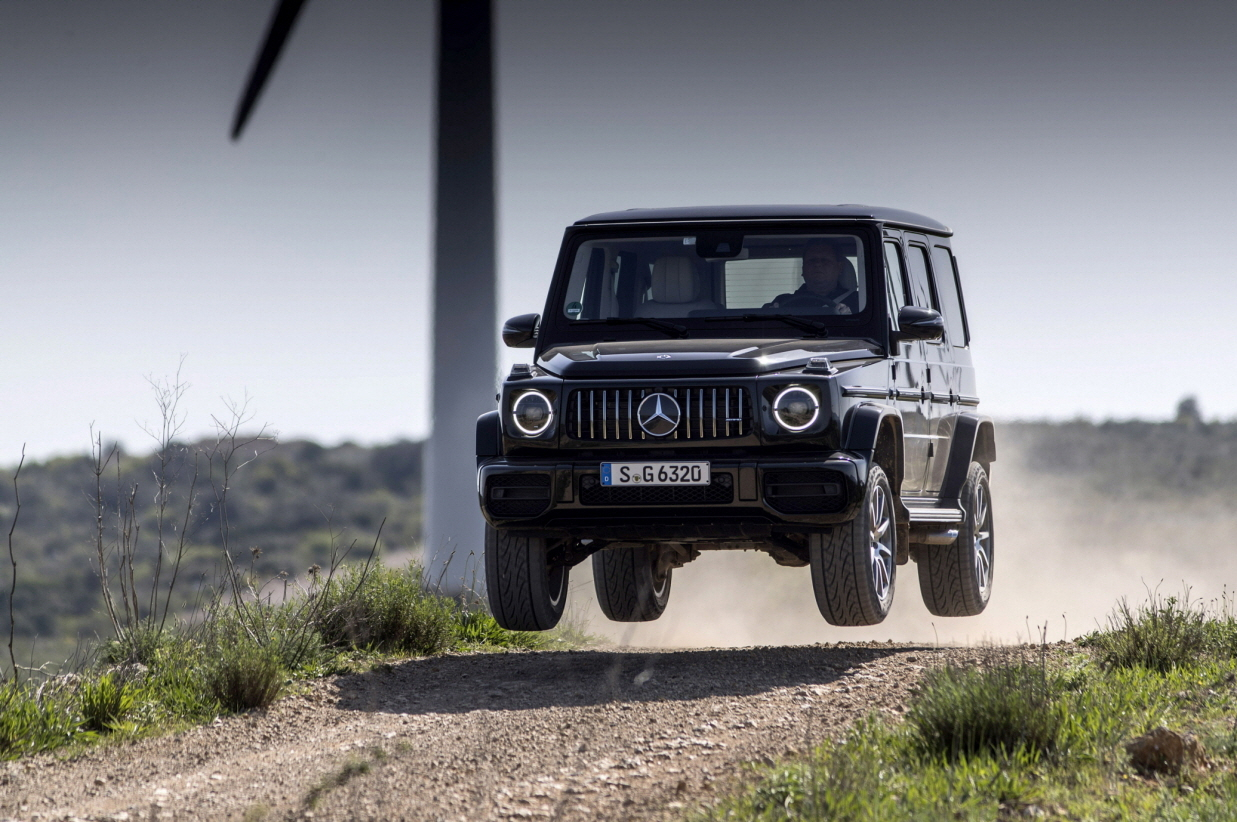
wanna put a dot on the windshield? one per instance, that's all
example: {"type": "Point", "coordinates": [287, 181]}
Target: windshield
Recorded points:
{"type": "Point", "coordinates": [716, 274]}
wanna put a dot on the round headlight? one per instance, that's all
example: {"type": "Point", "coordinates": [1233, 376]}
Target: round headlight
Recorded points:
{"type": "Point", "coordinates": [796, 409]}
{"type": "Point", "coordinates": [532, 413]}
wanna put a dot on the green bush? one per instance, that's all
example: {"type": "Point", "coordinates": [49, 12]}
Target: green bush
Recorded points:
{"type": "Point", "coordinates": [1160, 635]}
{"type": "Point", "coordinates": [106, 702]}
{"type": "Point", "coordinates": [386, 610]}
{"type": "Point", "coordinates": [479, 628]}
{"type": "Point", "coordinates": [1002, 710]}
{"type": "Point", "coordinates": [138, 646]}
{"type": "Point", "coordinates": [244, 675]}
{"type": "Point", "coordinates": [34, 719]}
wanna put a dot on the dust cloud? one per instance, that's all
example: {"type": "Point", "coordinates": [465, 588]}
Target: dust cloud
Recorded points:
{"type": "Point", "coordinates": [1065, 554]}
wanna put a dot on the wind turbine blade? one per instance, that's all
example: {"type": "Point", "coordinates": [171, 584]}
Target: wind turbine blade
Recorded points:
{"type": "Point", "coordinates": [281, 26]}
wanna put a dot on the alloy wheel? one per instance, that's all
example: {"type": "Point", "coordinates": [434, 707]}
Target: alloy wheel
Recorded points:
{"type": "Point", "coordinates": [880, 544]}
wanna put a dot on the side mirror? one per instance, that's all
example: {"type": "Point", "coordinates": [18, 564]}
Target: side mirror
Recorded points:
{"type": "Point", "coordinates": [521, 331]}
{"type": "Point", "coordinates": [917, 323]}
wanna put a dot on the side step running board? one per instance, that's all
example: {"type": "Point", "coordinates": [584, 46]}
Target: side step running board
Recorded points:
{"type": "Point", "coordinates": [935, 515]}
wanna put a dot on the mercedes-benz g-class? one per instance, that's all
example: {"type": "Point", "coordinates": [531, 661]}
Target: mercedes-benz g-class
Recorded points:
{"type": "Point", "coordinates": [791, 379]}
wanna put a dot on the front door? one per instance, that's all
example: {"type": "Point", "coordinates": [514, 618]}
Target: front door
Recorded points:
{"type": "Point", "coordinates": [907, 377]}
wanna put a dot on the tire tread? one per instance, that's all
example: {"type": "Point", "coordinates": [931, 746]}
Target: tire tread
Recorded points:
{"type": "Point", "coordinates": [946, 572]}
{"type": "Point", "coordinates": [840, 570]}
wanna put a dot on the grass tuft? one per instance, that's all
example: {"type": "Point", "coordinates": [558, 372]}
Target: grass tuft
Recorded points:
{"type": "Point", "coordinates": [351, 769]}
{"type": "Point", "coordinates": [34, 719]}
{"type": "Point", "coordinates": [245, 676]}
{"type": "Point", "coordinates": [106, 702]}
{"type": "Point", "coordinates": [1002, 710]}
{"type": "Point", "coordinates": [1163, 634]}
{"type": "Point", "coordinates": [386, 610]}
{"type": "Point", "coordinates": [478, 628]}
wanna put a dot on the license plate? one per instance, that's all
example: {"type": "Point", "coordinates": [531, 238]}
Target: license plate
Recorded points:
{"type": "Point", "coordinates": [654, 473]}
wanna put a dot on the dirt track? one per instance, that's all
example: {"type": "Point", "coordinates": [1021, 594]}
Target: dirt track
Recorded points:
{"type": "Point", "coordinates": [624, 734]}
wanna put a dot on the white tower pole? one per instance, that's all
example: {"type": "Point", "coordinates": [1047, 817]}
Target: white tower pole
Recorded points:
{"type": "Point", "coordinates": [465, 360]}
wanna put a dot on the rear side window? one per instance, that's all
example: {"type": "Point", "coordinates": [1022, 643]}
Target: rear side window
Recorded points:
{"type": "Point", "coordinates": [917, 262]}
{"type": "Point", "coordinates": [947, 290]}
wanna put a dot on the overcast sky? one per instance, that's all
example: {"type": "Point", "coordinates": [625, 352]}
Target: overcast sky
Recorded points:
{"type": "Point", "coordinates": [1082, 152]}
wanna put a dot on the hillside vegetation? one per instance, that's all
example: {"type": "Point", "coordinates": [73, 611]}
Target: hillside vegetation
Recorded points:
{"type": "Point", "coordinates": [292, 501]}
{"type": "Point", "coordinates": [295, 499]}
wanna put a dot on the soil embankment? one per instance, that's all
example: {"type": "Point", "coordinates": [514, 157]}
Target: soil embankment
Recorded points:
{"type": "Point", "coordinates": [627, 734]}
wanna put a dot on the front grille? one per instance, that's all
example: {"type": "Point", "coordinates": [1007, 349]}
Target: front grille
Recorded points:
{"type": "Point", "coordinates": [719, 491]}
{"type": "Point", "coordinates": [714, 413]}
{"type": "Point", "coordinates": [805, 492]}
{"type": "Point", "coordinates": [517, 495]}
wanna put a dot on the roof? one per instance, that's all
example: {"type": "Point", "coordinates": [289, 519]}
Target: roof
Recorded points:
{"type": "Point", "coordinates": [892, 216]}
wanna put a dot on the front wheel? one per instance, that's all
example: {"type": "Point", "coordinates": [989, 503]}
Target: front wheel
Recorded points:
{"type": "Point", "coordinates": [956, 580]}
{"type": "Point", "coordinates": [525, 592]}
{"type": "Point", "coordinates": [853, 567]}
{"type": "Point", "coordinates": [632, 582]}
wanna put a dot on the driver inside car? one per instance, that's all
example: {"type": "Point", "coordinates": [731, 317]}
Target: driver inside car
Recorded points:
{"type": "Point", "coordinates": [829, 283]}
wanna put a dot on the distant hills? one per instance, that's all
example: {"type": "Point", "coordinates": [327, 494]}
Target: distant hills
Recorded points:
{"type": "Point", "coordinates": [289, 500]}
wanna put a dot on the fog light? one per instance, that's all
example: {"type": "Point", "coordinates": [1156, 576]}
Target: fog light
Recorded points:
{"type": "Point", "coordinates": [796, 409]}
{"type": "Point", "coordinates": [532, 413]}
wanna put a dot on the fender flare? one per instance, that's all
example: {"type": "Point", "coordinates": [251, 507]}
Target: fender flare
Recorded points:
{"type": "Point", "coordinates": [863, 427]}
{"type": "Point", "coordinates": [864, 424]}
{"type": "Point", "coordinates": [489, 435]}
{"type": "Point", "coordinates": [973, 441]}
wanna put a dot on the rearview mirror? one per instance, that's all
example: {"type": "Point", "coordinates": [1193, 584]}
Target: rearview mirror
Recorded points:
{"type": "Point", "coordinates": [917, 323]}
{"type": "Point", "coordinates": [521, 331]}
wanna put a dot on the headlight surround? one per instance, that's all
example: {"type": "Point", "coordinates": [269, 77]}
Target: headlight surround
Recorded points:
{"type": "Point", "coordinates": [796, 408]}
{"type": "Point", "coordinates": [531, 413]}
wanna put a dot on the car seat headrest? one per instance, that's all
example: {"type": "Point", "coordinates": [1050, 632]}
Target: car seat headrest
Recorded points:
{"type": "Point", "coordinates": [674, 280]}
{"type": "Point", "coordinates": [846, 275]}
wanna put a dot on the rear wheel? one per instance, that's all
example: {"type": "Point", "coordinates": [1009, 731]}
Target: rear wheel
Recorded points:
{"type": "Point", "coordinates": [632, 583]}
{"type": "Point", "coordinates": [956, 580]}
{"type": "Point", "coordinates": [525, 592]}
{"type": "Point", "coordinates": [853, 568]}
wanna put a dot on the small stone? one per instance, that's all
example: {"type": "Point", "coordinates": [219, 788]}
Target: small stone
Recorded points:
{"type": "Point", "coordinates": [100, 781]}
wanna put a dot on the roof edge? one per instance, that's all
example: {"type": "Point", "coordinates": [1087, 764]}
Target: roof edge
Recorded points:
{"type": "Point", "coordinates": [760, 213]}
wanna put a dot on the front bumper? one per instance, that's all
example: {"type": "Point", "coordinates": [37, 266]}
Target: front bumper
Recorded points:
{"type": "Point", "coordinates": [748, 499]}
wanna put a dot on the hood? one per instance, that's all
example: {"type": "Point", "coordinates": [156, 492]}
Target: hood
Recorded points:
{"type": "Point", "coordinates": [695, 358]}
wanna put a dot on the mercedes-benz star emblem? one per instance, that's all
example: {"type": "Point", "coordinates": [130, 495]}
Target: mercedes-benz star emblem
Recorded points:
{"type": "Point", "coordinates": [658, 414]}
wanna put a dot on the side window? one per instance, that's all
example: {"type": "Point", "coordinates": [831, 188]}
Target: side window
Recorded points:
{"type": "Point", "coordinates": [897, 279]}
{"type": "Point", "coordinates": [921, 288]}
{"type": "Point", "coordinates": [951, 302]}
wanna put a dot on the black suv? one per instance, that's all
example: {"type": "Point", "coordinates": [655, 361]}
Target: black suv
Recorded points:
{"type": "Point", "coordinates": [791, 379]}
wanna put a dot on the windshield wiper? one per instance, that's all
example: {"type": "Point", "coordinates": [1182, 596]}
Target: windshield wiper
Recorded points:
{"type": "Point", "coordinates": [817, 328]}
{"type": "Point", "coordinates": [673, 329]}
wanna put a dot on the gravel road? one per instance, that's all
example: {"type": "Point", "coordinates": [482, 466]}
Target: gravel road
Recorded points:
{"type": "Point", "coordinates": [590, 734]}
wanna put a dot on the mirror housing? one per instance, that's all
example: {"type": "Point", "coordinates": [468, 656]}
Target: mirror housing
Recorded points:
{"type": "Point", "coordinates": [917, 323]}
{"type": "Point", "coordinates": [521, 331]}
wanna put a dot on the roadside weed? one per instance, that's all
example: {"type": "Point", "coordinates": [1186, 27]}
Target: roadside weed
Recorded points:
{"type": "Point", "coordinates": [1006, 709]}
{"type": "Point", "coordinates": [387, 610]}
{"type": "Point", "coordinates": [34, 719]}
{"type": "Point", "coordinates": [352, 768]}
{"type": "Point", "coordinates": [1165, 633]}
{"type": "Point", "coordinates": [106, 702]}
{"type": "Point", "coordinates": [244, 676]}
{"type": "Point", "coordinates": [478, 628]}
